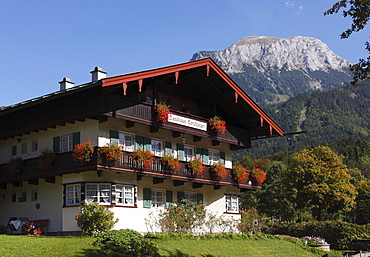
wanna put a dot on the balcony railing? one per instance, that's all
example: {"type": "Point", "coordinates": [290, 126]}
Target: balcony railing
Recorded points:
{"type": "Point", "coordinates": [143, 113]}
{"type": "Point", "coordinates": [184, 173]}
{"type": "Point", "coordinates": [65, 165]}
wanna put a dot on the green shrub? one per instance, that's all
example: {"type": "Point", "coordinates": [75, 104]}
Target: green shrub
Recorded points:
{"type": "Point", "coordinates": [338, 234]}
{"type": "Point", "coordinates": [156, 235]}
{"type": "Point", "coordinates": [125, 242]}
{"type": "Point", "coordinates": [252, 222]}
{"type": "Point", "coordinates": [207, 236]}
{"type": "Point", "coordinates": [182, 218]}
{"type": "Point", "coordinates": [94, 219]}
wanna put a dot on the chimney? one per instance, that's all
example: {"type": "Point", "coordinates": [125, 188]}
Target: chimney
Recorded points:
{"type": "Point", "coordinates": [66, 83]}
{"type": "Point", "coordinates": [98, 74]}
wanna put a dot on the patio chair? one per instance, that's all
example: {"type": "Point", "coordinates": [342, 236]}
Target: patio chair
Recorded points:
{"type": "Point", "coordinates": [10, 226]}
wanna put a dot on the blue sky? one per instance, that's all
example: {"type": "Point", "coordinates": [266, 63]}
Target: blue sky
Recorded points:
{"type": "Point", "coordinates": [43, 41]}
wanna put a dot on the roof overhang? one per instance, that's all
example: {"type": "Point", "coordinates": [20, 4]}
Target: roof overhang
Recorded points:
{"type": "Point", "coordinates": [209, 65]}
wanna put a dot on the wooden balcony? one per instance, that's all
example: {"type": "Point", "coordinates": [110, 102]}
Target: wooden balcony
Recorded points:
{"type": "Point", "coordinates": [144, 113]}
{"type": "Point", "coordinates": [159, 172]}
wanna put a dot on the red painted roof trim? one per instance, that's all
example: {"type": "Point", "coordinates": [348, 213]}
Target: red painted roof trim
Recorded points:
{"type": "Point", "coordinates": [208, 63]}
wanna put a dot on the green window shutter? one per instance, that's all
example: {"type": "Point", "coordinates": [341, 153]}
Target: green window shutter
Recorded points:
{"type": "Point", "coordinates": [180, 152]}
{"type": "Point", "coordinates": [76, 138]}
{"type": "Point", "coordinates": [168, 148]}
{"type": "Point", "coordinates": [56, 144]}
{"type": "Point", "coordinates": [199, 198]}
{"type": "Point", "coordinates": [205, 156]}
{"type": "Point", "coordinates": [169, 198]}
{"type": "Point", "coordinates": [222, 157]}
{"type": "Point", "coordinates": [147, 197]}
{"type": "Point", "coordinates": [139, 142]}
{"type": "Point", "coordinates": [114, 137]}
{"type": "Point", "coordinates": [180, 196]}
{"type": "Point", "coordinates": [198, 152]}
{"type": "Point", "coordinates": [147, 143]}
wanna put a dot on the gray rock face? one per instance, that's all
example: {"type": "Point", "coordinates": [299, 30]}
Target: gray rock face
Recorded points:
{"type": "Point", "coordinates": [280, 68]}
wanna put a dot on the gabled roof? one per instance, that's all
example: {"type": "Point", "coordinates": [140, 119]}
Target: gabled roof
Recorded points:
{"type": "Point", "coordinates": [235, 101]}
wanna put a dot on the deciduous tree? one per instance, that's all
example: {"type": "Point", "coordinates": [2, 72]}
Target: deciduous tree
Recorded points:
{"type": "Point", "coordinates": [359, 11]}
{"type": "Point", "coordinates": [317, 180]}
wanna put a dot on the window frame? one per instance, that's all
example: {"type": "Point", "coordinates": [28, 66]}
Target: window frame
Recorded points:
{"type": "Point", "coordinates": [230, 200]}
{"type": "Point", "coordinates": [192, 148]}
{"type": "Point", "coordinates": [34, 146]}
{"type": "Point", "coordinates": [24, 148]}
{"type": "Point", "coordinates": [123, 195]}
{"type": "Point", "coordinates": [211, 154]}
{"type": "Point", "coordinates": [157, 152]}
{"type": "Point", "coordinates": [187, 195]}
{"type": "Point", "coordinates": [123, 142]}
{"type": "Point", "coordinates": [34, 195]}
{"type": "Point", "coordinates": [98, 197]}
{"type": "Point", "coordinates": [155, 202]}
{"type": "Point", "coordinates": [13, 150]}
{"type": "Point", "coordinates": [69, 147]}
{"type": "Point", "coordinates": [76, 197]}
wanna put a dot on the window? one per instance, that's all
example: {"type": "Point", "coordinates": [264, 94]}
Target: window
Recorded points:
{"type": "Point", "coordinates": [188, 153]}
{"type": "Point", "coordinates": [34, 195]}
{"type": "Point", "coordinates": [126, 141]}
{"type": "Point", "coordinates": [34, 146]}
{"type": "Point", "coordinates": [125, 195]}
{"type": "Point", "coordinates": [23, 197]}
{"type": "Point", "coordinates": [66, 143]}
{"type": "Point", "coordinates": [213, 156]}
{"type": "Point", "coordinates": [190, 196]}
{"type": "Point", "coordinates": [157, 198]}
{"type": "Point", "coordinates": [157, 148]}
{"type": "Point", "coordinates": [14, 198]}
{"type": "Point", "coordinates": [13, 150]}
{"type": "Point", "coordinates": [98, 193]}
{"type": "Point", "coordinates": [232, 203]}
{"type": "Point", "coordinates": [24, 148]}
{"type": "Point", "coordinates": [73, 194]}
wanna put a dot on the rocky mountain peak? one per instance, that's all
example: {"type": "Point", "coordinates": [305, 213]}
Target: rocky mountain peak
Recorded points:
{"type": "Point", "coordinates": [273, 61]}
{"type": "Point", "coordinates": [294, 53]}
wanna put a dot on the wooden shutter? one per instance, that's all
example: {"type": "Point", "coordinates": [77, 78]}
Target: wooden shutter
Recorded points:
{"type": "Point", "coordinates": [180, 152]}
{"type": "Point", "coordinates": [168, 148]}
{"type": "Point", "coordinates": [76, 139]}
{"type": "Point", "coordinates": [147, 143]}
{"type": "Point", "coordinates": [199, 152]}
{"type": "Point", "coordinates": [205, 156]}
{"type": "Point", "coordinates": [180, 196]}
{"type": "Point", "coordinates": [114, 137]}
{"type": "Point", "coordinates": [222, 157]}
{"type": "Point", "coordinates": [147, 197]}
{"type": "Point", "coordinates": [139, 142]}
{"type": "Point", "coordinates": [56, 144]}
{"type": "Point", "coordinates": [199, 198]}
{"type": "Point", "coordinates": [169, 198]}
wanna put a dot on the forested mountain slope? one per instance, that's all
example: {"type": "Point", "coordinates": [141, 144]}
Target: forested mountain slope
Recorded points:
{"type": "Point", "coordinates": [327, 116]}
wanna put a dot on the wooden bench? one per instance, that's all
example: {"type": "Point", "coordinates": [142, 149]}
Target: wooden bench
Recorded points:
{"type": "Point", "coordinates": [44, 223]}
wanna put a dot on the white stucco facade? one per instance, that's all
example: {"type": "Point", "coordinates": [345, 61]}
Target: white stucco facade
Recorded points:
{"type": "Point", "coordinates": [49, 201]}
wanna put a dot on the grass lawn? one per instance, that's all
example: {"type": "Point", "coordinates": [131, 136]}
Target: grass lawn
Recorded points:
{"type": "Point", "coordinates": [173, 246]}
{"type": "Point", "coordinates": [230, 248]}
{"type": "Point", "coordinates": [46, 246]}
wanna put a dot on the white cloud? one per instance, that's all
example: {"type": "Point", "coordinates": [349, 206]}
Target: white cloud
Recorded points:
{"type": "Point", "coordinates": [293, 5]}
{"type": "Point", "coordinates": [289, 4]}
